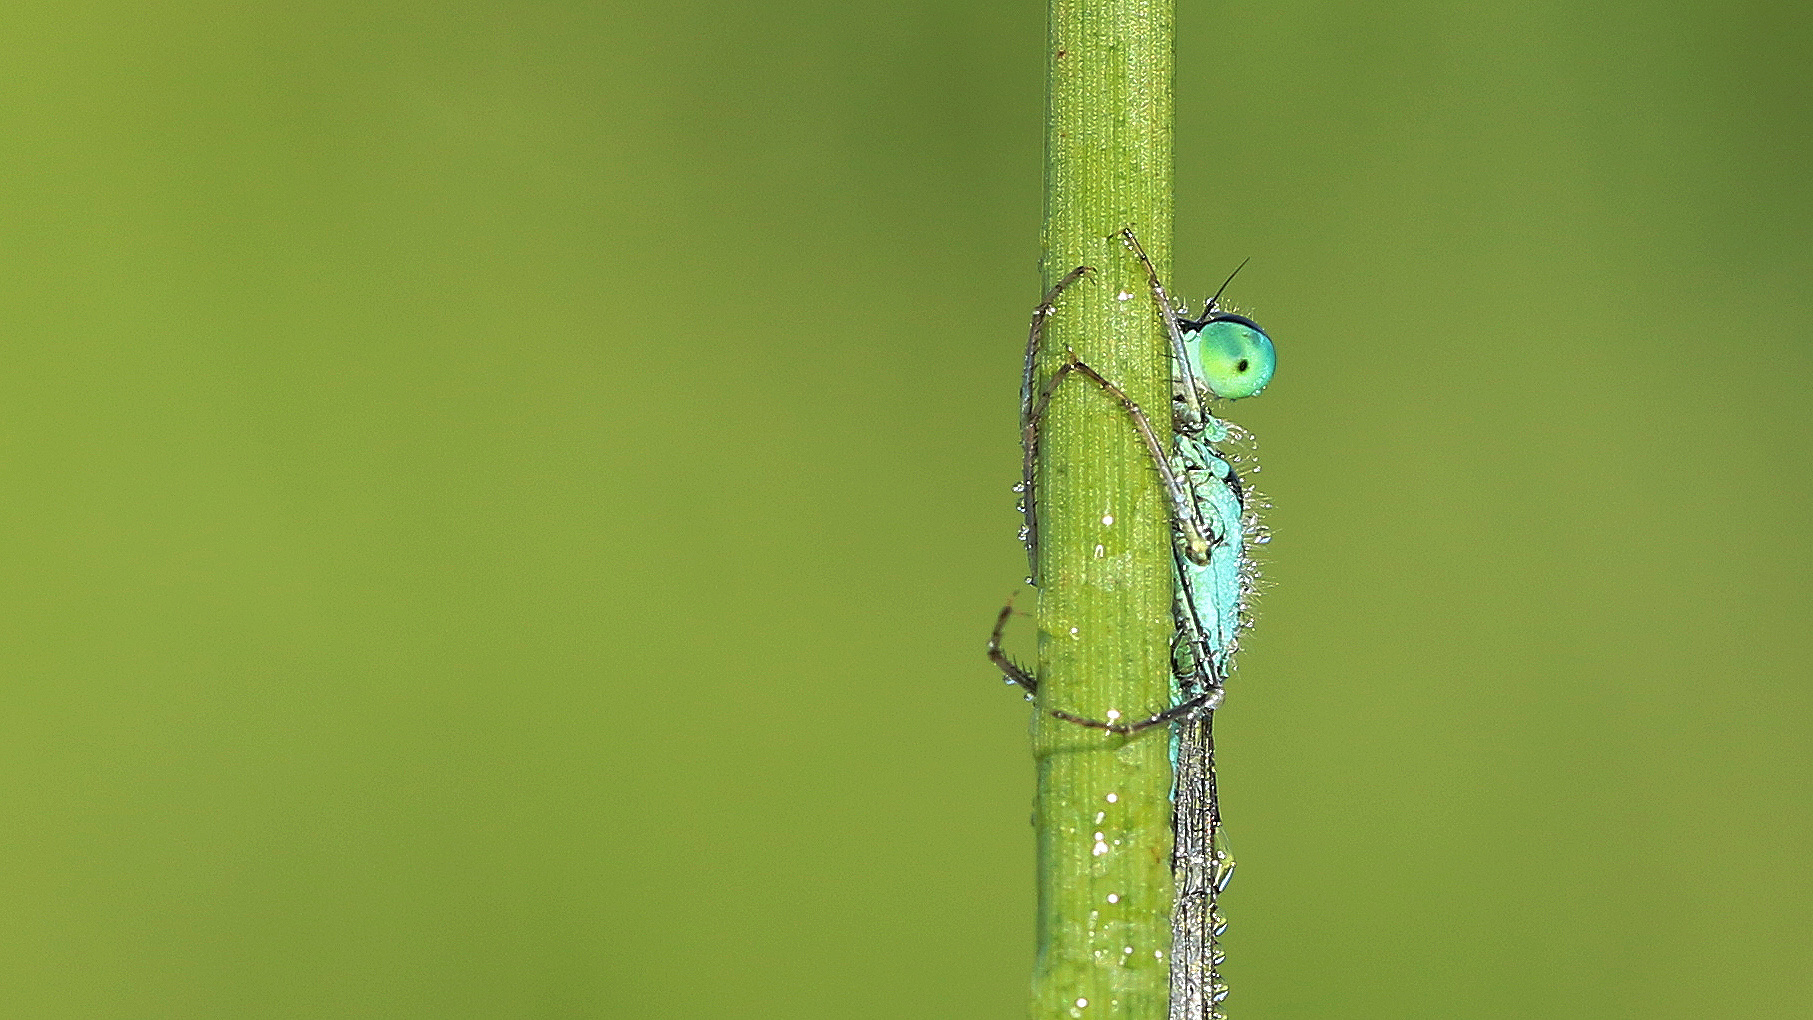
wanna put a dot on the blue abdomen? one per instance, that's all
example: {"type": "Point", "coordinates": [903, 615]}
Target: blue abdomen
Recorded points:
{"type": "Point", "coordinates": [1213, 589]}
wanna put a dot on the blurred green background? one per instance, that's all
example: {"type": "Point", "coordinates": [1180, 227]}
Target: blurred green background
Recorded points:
{"type": "Point", "coordinates": [502, 504]}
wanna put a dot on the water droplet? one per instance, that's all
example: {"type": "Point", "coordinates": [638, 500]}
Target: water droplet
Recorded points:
{"type": "Point", "coordinates": [1108, 519]}
{"type": "Point", "coordinates": [1098, 551]}
{"type": "Point", "coordinates": [1218, 992]}
{"type": "Point", "coordinates": [1221, 872]}
{"type": "Point", "coordinates": [1115, 898]}
{"type": "Point", "coordinates": [1113, 797]}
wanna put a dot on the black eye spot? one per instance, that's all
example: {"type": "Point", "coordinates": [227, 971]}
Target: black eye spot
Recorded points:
{"type": "Point", "coordinates": [1241, 367]}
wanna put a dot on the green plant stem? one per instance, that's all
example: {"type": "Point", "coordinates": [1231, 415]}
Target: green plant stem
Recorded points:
{"type": "Point", "coordinates": [1103, 817]}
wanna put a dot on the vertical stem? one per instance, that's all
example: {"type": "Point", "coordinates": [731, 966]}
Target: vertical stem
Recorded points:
{"type": "Point", "coordinates": [1104, 802]}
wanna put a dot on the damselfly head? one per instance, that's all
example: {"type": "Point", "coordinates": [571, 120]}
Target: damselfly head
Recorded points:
{"type": "Point", "coordinates": [1233, 355]}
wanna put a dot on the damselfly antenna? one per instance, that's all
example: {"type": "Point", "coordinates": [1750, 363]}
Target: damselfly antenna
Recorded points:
{"type": "Point", "coordinates": [1215, 302]}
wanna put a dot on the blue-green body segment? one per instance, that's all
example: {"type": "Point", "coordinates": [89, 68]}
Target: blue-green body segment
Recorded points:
{"type": "Point", "coordinates": [1211, 593]}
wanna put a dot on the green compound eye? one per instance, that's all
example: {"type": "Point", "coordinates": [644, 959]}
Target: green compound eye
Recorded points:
{"type": "Point", "coordinates": [1235, 356]}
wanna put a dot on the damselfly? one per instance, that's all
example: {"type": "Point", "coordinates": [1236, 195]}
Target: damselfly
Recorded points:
{"type": "Point", "coordinates": [1218, 355]}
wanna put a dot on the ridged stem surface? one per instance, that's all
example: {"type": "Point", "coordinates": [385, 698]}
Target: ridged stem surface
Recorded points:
{"type": "Point", "coordinates": [1103, 814]}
